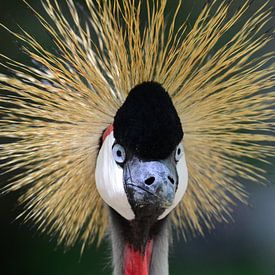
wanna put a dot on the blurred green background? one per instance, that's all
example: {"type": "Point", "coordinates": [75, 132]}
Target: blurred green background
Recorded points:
{"type": "Point", "coordinates": [245, 247]}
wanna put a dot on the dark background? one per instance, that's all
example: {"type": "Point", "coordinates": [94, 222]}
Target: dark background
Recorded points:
{"type": "Point", "coordinates": [245, 247]}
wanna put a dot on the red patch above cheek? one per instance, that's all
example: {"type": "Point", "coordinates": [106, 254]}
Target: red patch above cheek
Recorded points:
{"type": "Point", "coordinates": [107, 132]}
{"type": "Point", "coordinates": [136, 263]}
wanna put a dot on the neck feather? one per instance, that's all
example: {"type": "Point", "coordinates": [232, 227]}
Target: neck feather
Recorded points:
{"type": "Point", "coordinates": [140, 244]}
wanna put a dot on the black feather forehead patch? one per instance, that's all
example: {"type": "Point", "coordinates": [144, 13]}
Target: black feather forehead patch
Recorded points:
{"type": "Point", "coordinates": [147, 123]}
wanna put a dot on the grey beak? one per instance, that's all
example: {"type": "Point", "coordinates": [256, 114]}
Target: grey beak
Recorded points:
{"type": "Point", "coordinates": [150, 184]}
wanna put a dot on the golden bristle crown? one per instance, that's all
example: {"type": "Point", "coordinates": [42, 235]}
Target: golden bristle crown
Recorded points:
{"type": "Point", "coordinates": [57, 111]}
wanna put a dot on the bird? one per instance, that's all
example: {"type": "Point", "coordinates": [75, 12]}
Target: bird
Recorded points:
{"type": "Point", "coordinates": [134, 129]}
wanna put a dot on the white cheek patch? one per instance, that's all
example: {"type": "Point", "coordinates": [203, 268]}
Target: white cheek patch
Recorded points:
{"type": "Point", "coordinates": [109, 180]}
{"type": "Point", "coordinates": [182, 185]}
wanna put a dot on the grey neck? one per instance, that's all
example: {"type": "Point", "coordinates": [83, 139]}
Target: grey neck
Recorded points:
{"type": "Point", "coordinates": [159, 261]}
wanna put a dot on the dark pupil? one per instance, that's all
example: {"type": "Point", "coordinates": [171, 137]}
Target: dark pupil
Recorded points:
{"type": "Point", "coordinates": [118, 153]}
{"type": "Point", "coordinates": [178, 152]}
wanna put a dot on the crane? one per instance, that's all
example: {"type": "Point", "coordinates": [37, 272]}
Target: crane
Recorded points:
{"type": "Point", "coordinates": [135, 129]}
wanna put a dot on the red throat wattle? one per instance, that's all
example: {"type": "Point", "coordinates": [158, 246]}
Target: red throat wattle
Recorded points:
{"type": "Point", "coordinates": [135, 262]}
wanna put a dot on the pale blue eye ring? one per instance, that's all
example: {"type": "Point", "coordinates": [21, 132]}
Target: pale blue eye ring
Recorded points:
{"type": "Point", "coordinates": [119, 154]}
{"type": "Point", "coordinates": [178, 152]}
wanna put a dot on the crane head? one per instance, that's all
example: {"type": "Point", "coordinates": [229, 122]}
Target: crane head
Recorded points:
{"type": "Point", "coordinates": [141, 170]}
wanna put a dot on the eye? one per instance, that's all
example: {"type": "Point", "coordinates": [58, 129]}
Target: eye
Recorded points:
{"type": "Point", "coordinates": [119, 153]}
{"type": "Point", "coordinates": [179, 152]}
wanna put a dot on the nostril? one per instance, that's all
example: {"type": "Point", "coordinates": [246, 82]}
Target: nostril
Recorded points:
{"type": "Point", "coordinates": [171, 180]}
{"type": "Point", "coordinates": [150, 180]}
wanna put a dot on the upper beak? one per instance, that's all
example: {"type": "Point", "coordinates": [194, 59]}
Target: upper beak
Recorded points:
{"type": "Point", "coordinates": [150, 184]}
